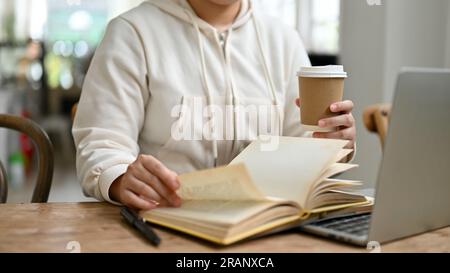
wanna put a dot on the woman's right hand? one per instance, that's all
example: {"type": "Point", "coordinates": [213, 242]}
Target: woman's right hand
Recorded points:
{"type": "Point", "coordinates": [146, 185]}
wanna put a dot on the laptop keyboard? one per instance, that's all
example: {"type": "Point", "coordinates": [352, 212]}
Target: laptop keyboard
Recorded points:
{"type": "Point", "coordinates": [355, 225]}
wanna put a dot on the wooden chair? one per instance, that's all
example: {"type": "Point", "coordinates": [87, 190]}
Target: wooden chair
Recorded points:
{"type": "Point", "coordinates": [45, 155]}
{"type": "Point", "coordinates": [3, 184]}
{"type": "Point", "coordinates": [74, 111]}
{"type": "Point", "coordinates": [376, 120]}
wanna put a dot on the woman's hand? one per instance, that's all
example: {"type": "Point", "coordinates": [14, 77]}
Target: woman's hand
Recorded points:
{"type": "Point", "coordinates": [146, 185]}
{"type": "Point", "coordinates": [345, 123]}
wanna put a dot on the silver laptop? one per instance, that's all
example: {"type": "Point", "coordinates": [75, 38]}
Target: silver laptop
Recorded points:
{"type": "Point", "coordinates": [413, 188]}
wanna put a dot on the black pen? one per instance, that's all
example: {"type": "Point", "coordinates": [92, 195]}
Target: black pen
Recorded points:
{"type": "Point", "coordinates": [137, 222]}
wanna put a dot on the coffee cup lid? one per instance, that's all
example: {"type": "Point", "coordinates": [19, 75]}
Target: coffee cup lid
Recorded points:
{"type": "Point", "coordinates": [329, 71]}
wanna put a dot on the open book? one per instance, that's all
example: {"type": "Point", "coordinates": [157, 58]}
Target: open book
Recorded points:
{"type": "Point", "coordinates": [262, 191]}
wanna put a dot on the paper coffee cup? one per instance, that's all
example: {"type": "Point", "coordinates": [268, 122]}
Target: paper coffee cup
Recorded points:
{"type": "Point", "coordinates": [320, 87]}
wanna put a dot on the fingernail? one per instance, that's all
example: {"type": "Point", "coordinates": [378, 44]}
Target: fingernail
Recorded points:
{"type": "Point", "coordinates": [154, 203]}
{"type": "Point", "coordinates": [334, 107]}
{"type": "Point", "coordinates": [322, 123]}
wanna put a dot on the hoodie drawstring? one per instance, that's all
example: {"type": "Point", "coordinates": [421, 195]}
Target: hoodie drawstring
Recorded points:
{"type": "Point", "coordinates": [234, 90]}
{"type": "Point", "coordinates": [264, 59]}
{"type": "Point", "coordinates": [268, 77]}
{"type": "Point", "coordinates": [210, 100]}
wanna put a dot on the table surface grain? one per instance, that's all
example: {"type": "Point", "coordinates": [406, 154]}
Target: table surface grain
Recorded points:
{"type": "Point", "coordinates": [98, 227]}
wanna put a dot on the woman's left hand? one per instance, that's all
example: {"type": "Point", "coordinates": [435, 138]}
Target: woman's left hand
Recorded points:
{"type": "Point", "coordinates": [345, 123]}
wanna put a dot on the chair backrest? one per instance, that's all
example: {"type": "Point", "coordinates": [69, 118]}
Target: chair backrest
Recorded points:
{"type": "Point", "coordinates": [74, 111]}
{"type": "Point", "coordinates": [3, 184]}
{"type": "Point", "coordinates": [376, 120]}
{"type": "Point", "coordinates": [45, 157]}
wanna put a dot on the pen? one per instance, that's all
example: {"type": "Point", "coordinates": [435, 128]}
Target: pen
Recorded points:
{"type": "Point", "coordinates": [137, 222]}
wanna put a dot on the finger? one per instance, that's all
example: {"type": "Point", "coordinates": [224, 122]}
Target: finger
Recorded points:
{"type": "Point", "coordinates": [338, 135]}
{"type": "Point", "coordinates": [155, 183]}
{"type": "Point", "coordinates": [140, 188]}
{"type": "Point", "coordinates": [298, 102]}
{"type": "Point", "coordinates": [133, 201]}
{"type": "Point", "coordinates": [163, 191]}
{"type": "Point", "coordinates": [155, 167]}
{"type": "Point", "coordinates": [346, 120]}
{"type": "Point", "coordinates": [346, 134]}
{"type": "Point", "coordinates": [344, 106]}
{"type": "Point", "coordinates": [163, 204]}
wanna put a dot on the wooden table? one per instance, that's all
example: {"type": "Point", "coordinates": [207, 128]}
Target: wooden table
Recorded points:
{"type": "Point", "coordinates": [98, 227]}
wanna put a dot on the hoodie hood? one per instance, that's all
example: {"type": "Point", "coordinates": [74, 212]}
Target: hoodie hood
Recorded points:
{"type": "Point", "coordinates": [179, 9]}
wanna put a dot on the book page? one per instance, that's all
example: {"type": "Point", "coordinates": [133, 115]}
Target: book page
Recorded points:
{"type": "Point", "coordinates": [334, 184]}
{"type": "Point", "coordinates": [337, 168]}
{"type": "Point", "coordinates": [289, 169]}
{"type": "Point", "coordinates": [336, 197]}
{"type": "Point", "coordinates": [214, 212]}
{"type": "Point", "coordinates": [224, 222]}
{"type": "Point", "coordinates": [231, 183]}
{"type": "Point", "coordinates": [333, 170]}
{"type": "Point", "coordinates": [343, 154]}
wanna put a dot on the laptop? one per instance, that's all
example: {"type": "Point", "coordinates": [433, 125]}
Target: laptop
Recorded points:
{"type": "Point", "coordinates": [412, 194]}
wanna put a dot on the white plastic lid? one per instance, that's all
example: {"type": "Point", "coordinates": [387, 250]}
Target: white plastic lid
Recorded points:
{"type": "Point", "coordinates": [329, 71]}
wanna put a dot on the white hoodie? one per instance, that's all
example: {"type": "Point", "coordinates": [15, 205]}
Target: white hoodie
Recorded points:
{"type": "Point", "coordinates": [158, 60]}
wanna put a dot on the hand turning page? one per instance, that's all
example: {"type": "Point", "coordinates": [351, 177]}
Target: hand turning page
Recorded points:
{"type": "Point", "coordinates": [262, 191]}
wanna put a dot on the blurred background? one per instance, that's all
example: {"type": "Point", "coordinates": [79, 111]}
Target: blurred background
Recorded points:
{"type": "Point", "coordinates": [46, 47]}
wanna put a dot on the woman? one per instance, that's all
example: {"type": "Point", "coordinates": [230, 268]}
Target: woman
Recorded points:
{"type": "Point", "coordinates": [164, 56]}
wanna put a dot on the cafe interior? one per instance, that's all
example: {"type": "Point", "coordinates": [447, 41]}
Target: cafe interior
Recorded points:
{"type": "Point", "coordinates": [46, 47]}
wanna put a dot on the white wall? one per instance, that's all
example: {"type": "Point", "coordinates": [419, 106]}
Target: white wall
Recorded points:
{"type": "Point", "coordinates": [362, 39]}
{"type": "Point", "coordinates": [447, 64]}
{"type": "Point", "coordinates": [415, 36]}
{"type": "Point", "coordinates": [376, 42]}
